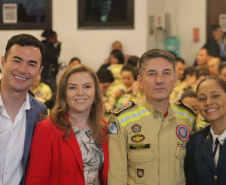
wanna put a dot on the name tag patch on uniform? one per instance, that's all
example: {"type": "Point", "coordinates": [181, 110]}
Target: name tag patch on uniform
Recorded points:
{"type": "Point", "coordinates": [113, 129]}
{"type": "Point", "coordinates": [139, 146]}
{"type": "Point", "coordinates": [182, 132]}
{"type": "Point", "coordinates": [140, 172]}
{"type": "Point", "coordinates": [137, 138]}
{"type": "Point", "coordinates": [181, 144]}
{"type": "Point", "coordinates": [136, 128]}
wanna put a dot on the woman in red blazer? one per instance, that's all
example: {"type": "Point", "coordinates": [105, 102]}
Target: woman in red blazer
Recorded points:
{"type": "Point", "coordinates": [70, 147]}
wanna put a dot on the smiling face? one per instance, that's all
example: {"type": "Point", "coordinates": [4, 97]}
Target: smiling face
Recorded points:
{"type": "Point", "coordinates": [80, 92]}
{"type": "Point", "coordinates": [212, 101]}
{"type": "Point", "coordinates": [158, 80]}
{"type": "Point", "coordinates": [21, 68]}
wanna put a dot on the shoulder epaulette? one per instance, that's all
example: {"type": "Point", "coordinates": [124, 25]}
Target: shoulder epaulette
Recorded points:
{"type": "Point", "coordinates": [123, 107]}
{"type": "Point", "coordinates": [199, 129]}
{"type": "Point", "coordinates": [180, 103]}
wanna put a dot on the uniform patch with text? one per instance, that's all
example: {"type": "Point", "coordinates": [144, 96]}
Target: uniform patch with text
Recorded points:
{"type": "Point", "coordinates": [140, 172]}
{"type": "Point", "coordinates": [139, 146]}
{"type": "Point", "coordinates": [182, 132]}
{"type": "Point", "coordinates": [136, 128]}
{"type": "Point", "coordinates": [123, 107]}
{"type": "Point", "coordinates": [137, 138]}
{"type": "Point", "coordinates": [113, 129]}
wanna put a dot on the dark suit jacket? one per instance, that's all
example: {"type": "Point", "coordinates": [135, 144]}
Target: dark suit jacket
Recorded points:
{"type": "Point", "coordinates": [32, 117]}
{"type": "Point", "coordinates": [213, 48]}
{"type": "Point", "coordinates": [199, 161]}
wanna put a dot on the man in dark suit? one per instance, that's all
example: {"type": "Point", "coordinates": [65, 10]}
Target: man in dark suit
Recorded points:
{"type": "Point", "coordinates": [215, 46]}
{"type": "Point", "coordinates": [19, 111]}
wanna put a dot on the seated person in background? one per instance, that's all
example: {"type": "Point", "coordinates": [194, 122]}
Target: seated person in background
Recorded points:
{"type": "Point", "coordinates": [202, 58]}
{"type": "Point", "coordinates": [106, 79]}
{"type": "Point", "coordinates": [187, 82]}
{"type": "Point", "coordinates": [180, 67]}
{"type": "Point", "coordinates": [117, 45]}
{"type": "Point", "coordinates": [213, 66]}
{"type": "Point", "coordinates": [41, 91]}
{"type": "Point", "coordinates": [124, 91]}
{"type": "Point", "coordinates": [73, 61]}
{"type": "Point", "coordinates": [134, 61]}
{"type": "Point", "coordinates": [222, 71]}
{"type": "Point", "coordinates": [201, 73]}
{"type": "Point", "coordinates": [189, 99]}
{"type": "Point", "coordinates": [115, 65]}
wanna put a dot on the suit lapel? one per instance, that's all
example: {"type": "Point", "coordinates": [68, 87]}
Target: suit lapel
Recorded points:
{"type": "Point", "coordinates": [222, 159]}
{"type": "Point", "coordinates": [206, 149]}
{"type": "Point", "coordinates": [73, 143]}
{"type": "Point", "coordinates": [29, 133]}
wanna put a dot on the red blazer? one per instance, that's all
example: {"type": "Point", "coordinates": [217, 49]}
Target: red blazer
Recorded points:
{"type": "Point", "coordinates": [54, 160]}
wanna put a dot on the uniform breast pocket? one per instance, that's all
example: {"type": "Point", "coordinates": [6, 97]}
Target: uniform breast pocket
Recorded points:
{"type": "Point", "coordinates": [140, 163]}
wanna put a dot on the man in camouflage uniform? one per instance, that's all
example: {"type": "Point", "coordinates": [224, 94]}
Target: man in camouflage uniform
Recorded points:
{"type": "Point", "coordinates": [147, 138]}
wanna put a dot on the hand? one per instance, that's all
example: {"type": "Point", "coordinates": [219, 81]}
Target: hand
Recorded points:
{"type": "Point", "coordinates": [135, 88]}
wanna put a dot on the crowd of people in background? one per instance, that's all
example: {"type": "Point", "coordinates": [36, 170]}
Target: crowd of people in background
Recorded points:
{"type": "Point", "coordinates": [94, 123]}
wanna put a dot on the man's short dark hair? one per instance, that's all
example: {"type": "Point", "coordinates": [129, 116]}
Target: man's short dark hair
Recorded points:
{"type": "Point", "coordinates": [155, 53]}
{"type": "Point", "coordinates": [130, 69]}
{"type": "Point", "coordinates": [214, 27]}
{"type": "Point", "coordinates": [179, 59]}
{"type": "Point", "coordinates": [133, 60]}
{"type": "Point", "coordinates": [75, 58]}
{"type": "Point", "coordinates": [188, 93]}
{"type": "Point", "coordinates": [202, 71]}
{"type": "Point", "coordinates": [105, 76]}
{"type": "Point", "coordinates": [24, 40]}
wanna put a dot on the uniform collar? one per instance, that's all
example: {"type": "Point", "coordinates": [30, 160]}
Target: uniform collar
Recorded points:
{"type": "Point", "coordinates": [221, 137]}
{"type": "Point", "coordinates": [157, 113]}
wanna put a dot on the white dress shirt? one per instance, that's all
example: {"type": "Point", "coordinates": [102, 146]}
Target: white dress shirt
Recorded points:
{"type": "Point", "coordinates": [221, 139]}
{"type": "Point", "coordinates": [12, 137]}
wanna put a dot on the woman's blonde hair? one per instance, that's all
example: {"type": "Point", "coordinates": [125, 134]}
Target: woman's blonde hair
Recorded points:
{"type": "Point", "coordinates": [57, 114]}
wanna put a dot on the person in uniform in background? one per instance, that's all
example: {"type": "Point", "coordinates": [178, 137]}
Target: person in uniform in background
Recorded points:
{"type": "Point", "coordinates": [189, 99]}
{"type": "Point", "coordinates": [187, 82]}
{"type": "Point", "coordinates": [41, 91]}
{"type": "Point", "coordinates": [205, 161]}
{"type": "Point", "coordinates": [117, 45]}
{"type": "Point", "coordinates": [147, 138]}
{"type": "Point", "coordinates": [105, 79]}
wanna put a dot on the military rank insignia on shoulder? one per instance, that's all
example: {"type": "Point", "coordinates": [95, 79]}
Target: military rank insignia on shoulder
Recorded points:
{"type": "Point", "coordinates": [123, 107]}
{"type": "Point", "coordinates": [199, 129]}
